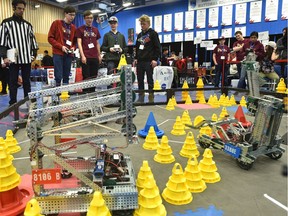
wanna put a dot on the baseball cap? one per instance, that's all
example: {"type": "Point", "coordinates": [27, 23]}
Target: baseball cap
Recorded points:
{"type": "Point", "coordinates": [222, 38]}
{"type": "Point", "coordinates": [113, 19]}
{"type": "Point", "coordinates": [272, 44]}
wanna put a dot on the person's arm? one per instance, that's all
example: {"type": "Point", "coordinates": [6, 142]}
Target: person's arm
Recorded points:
{"type": "Point", "coordinates": [214, 59]}
{"type": "Point", "coordinates": [104, 47]}
{"type": "Point", "coordinates": [274, 55]}
{"type": "Point", "coordinates": [98, 50]}
{"type": "Point", "coordinates": [83, 57]}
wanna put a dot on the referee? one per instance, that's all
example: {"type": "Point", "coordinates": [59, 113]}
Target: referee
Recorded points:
{"type": "Point", "coordinates": [15, 32]}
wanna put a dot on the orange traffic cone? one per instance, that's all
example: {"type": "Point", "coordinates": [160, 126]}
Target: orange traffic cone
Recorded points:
{"type": "Point", "coordinates": [239, 115]}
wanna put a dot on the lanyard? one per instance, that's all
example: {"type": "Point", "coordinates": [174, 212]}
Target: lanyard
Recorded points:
{"type": "Point", "coordinates": [252, 45]}
{"type": "Point", "coordinates": [115, 37]}
{"type": "Point", "coordinates": [90, 32]}
{"type": "Point", "coordinates": [67, 29]}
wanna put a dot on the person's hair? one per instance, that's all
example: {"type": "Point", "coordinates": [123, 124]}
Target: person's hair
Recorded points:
{"type": "Point", "coordinates": [238, 32]}
{"type": "Point", "coordinates": [145, 18]}
{"type": "Point", "coordinates": [16, 2]}
{"type": "Point", "coordinates": [254, 33]}
{"type": "Point", "coordinates": [69, 9]}
{"type": "Point", "coordinates": [87, 13]}
{"type": "Point", "coordinates": [285, 29]}
{"type": "Point", "coordinates": [269, 51]}
{"type": "Point", "coordinates": [165, 49]}
{"type": "Point", "coordinates": [46, 51]}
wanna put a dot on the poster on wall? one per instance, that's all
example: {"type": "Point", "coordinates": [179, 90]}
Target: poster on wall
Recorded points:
{"type": "Point", "coordinates": [227, 33]}
{"type": "Point", "coordinates": [130, 36]}
{"type": "Point", "coordinates": [158, 23]}
{"type": "Point", "coordinates": [178, 21]}
{"type": "Point", "coordinates": [189, 36]}
{"type": "Point", "coordinates": [284, 12]}
{"type": "Point", "coordinates": [271, 10]}
{"type": "Point", "coordinates": [160, 38]}
{"type": "Point", "coordinates": [213, 34]}
{"type": "Point", "coordinates": [189, 20]}
{"type": "Point", "coordinates": [240, 16]}
{"type": "Point", "coordinates": [200, 4]}
{"type": "Point", "coordinates": [167, 38]}
{"type": "Point", "coordinates": [167, 22]}
{"type": "Point", "coordinates": [213, 17]}
{"type": "Point", "coordinates": [242, 29]}
{"type": "Point", "coordinates": [137, 26]}
{"type": "Point", "coordinates": [178, 37]}
{"type": "Point", "coordinates": [201, 18]}
{"type": "Point", "coordinates": [255, 12]}
{"type": "Point", "coordinates": [201, 34]}
{"type": "Point", "coordinates": [227, 12]}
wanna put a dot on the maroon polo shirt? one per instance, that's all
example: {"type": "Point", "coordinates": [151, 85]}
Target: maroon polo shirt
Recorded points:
{"type": "Point", "coordinates": [221, 51]}
{"type": "Point", "coordinates": [241, 53]}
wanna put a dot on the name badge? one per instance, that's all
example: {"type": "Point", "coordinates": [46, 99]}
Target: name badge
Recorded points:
{"type": "Point", "coordinates": [222, 57]}
{"type": "Point", "coordinates": [69, 43]}
{"type": "Point", "coordinates": [91, 45]}
{"type": "Point", "coordinates": [141, 47]}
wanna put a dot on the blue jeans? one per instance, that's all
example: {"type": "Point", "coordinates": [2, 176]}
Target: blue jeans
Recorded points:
{"type": "Point", "coordinates": [62, 68]}
{"type": "Point", "coordinates": [242, 79]}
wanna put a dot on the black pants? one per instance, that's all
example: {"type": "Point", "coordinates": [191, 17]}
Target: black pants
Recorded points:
{"type": "Point", "coordinates": [13, 80]}
{"type": "Point", "coordinates": [90, 71]}
{"type": "Point", "coordinates": [143, 67]}
{"type": "Point", "coordinates": [219, 71]}
{"type": "Point", "coordinates": [4, 78]}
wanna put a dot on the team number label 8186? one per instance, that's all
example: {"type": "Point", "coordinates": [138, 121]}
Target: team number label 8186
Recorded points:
{"type": "Point", "coordinates": [46, 176]}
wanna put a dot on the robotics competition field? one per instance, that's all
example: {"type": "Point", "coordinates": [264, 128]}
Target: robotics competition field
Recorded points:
{"type": "Point", "coordinates": [231, 168]}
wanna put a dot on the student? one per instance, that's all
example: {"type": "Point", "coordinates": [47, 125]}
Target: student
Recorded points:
{"type": "Point", "coordinates": [267, 64]}
{"type": "Point", "coordinates": [114, 44]}
{"type": "Point", "coordinates": [258, 48]}
{"type": "Point", "coordinates": [220, 57]}
{"type": "Point", "coordinates": [89, 47]}
{"type": "Point", "coordinates": [148, 51]}
{"type": "Point", "coordinates": [238, 48]}
{"type": "Point", "coordinates": [164, 58]}
{"type": "Point", "coordinates": [47, 60]}
{"type": "Point", "coordinates": [24, 42]}
{"type": "Point", "coordinates": [62, 38]}
{"type": "Point", "coordinates": [282, 50]}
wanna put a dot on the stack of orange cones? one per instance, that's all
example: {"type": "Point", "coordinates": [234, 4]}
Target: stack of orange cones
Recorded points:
{"type": "Point", "coordinates": [150, 201]}
{"type": "Point", "coordinates": [97, 206]}
{"type": "Point", "coordinates": [208, 168]}
{"type": "Point", "coordinates": [164, 152]}
{"type": "Point", "coordinates": [189, 147]}
{"type": "Point", "coordinates": [11, 142]}
{"type": "Point", "coordinates": [193, 176]}
{"type": "Point", "coordinates": [151, 140]}
{"type": "Point", "coordinates": [176, 191]}
{"type": "Point", "coordinates": [178, 127]}
{"type": "Point", "coordinates": [144, 172]}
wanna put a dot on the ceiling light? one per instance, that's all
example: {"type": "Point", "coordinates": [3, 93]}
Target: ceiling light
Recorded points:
{"type": "Point", "coordinates": [95, 11]}
{"type": "Point", "coordinates": [37, 6]}
{"type": "Point", "coordinates": [126, 3]}
{"type": "Point", "coordinates": [61, 0]}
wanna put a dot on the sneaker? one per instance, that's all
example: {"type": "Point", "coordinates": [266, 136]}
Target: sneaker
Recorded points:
{"type": "Point", "coordinates": [3, 93]}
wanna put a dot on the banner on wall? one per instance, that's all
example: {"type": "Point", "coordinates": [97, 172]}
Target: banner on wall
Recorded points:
{"type": "Point", "coordinates": [50, 75]}
{"type": "Point", "coordinates": [201, 4]}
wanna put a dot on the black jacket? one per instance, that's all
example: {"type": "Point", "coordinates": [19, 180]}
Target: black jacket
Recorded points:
{"type": "Point", "coordinates": [152, 47]}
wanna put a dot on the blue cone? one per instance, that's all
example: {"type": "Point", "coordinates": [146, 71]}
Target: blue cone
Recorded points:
{"type": "Point", "coordinates": [151, 122]}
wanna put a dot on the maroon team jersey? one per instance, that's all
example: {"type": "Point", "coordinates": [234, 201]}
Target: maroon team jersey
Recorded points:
{"type": "Point", "coordinates": [89, 35]}
{"type": "Point", "coordinates": [221, 51]}
{"type": "Point", "coordinates": [241, 53]}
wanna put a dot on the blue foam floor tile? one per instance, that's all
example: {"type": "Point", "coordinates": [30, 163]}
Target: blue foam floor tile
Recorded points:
{"type": "Point", "coordinates": [211, 211]}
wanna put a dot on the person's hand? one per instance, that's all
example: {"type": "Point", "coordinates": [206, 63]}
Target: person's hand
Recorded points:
{"type": "Point", "coordinates": [65, 49]}
{"type": "Point", "coordinates": [153, 63]}
{"type": "Point", "coordinates": [100, 59]}
{"type": "Point", "coordinates": [6, 61]}
{"type": "Point", "coordinates": [83, 60]}
{"type": "Point", "coordinates": [3, 65]}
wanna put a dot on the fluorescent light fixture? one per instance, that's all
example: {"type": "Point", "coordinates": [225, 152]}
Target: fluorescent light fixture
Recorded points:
{"type": "Point", "coordinates": [126, 4]}
{"type": "Point", "coordinates": [61, 1]}
{"type": "Point", "coordinates": [95, 11]}
{"type": "Point", "coordinates": [37, 6]}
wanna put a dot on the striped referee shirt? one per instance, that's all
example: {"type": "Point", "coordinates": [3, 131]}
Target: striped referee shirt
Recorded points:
{"type": "Point", "coordinates": [16, 32]}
